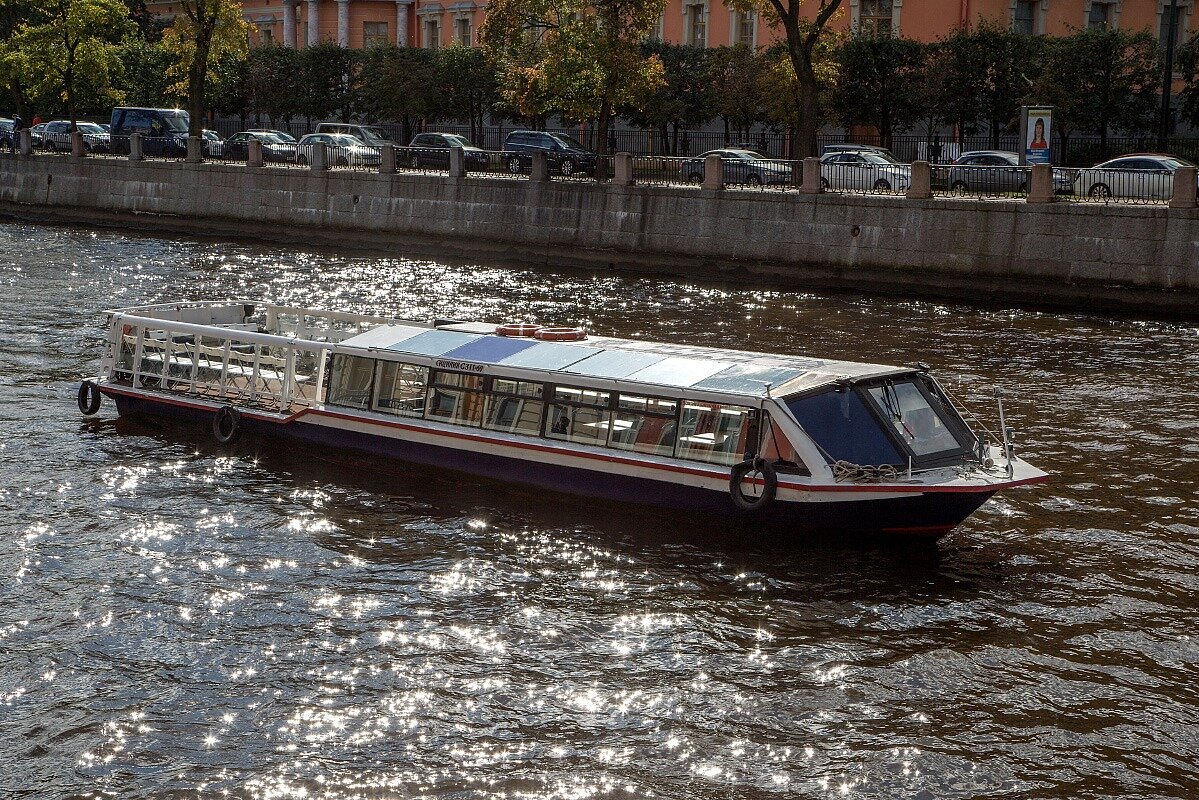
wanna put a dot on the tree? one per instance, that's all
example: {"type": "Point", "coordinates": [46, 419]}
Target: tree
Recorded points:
{"type": "Point", "coordinates": [1010, 68]}
{"type": "Point", "coordinates": [330, 81]}
{"type": "Point", "coordinates": [580, 59]}
{"type": "Point", "coordinates": [199, 37]}
{"type": "Point", "coordinates": [144, 80]}
{"type": "Point", "coordinates": [683, 99]}
{"type": "Point", "coordinates": [1187, 63]}
{"type": "Point", "coordinates": [468, 86]}
{"type": "Point", "coordinates": [736, 77]}
{"type": "Point", "coordinates": [803, 37]}
{"type": "Point", "coordinates": [780, 83]}
{"type": "Point", "coordinates": [229, 87]}
{"type": "Point", "coordinates": [65, 48]}
{"type": "Point", "coordinates": [12, 14]}
{"type": "Point", "coordinates": [1101, 80]}
{"type": "Point", "coordinates": [400, 84]}
{"type": "Point", "coordinates": [273, 82]}
{"type": "Point", "coordinates": [878, 86]}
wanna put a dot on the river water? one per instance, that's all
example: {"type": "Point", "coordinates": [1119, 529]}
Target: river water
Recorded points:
{"type": "Point", "coordinates": [183, 620]}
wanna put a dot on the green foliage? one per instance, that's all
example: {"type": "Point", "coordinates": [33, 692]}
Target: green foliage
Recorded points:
{"type": "Point", "coordinates": [400, 83]}
{"type": "Point", "coordinates": [274, 82]}
{"type": "Point", "coordinates": [329, 82]}
{"type": "Point", "coordinates": [736, 75]}
{"type": "Point", "coordinates": [144, 80]}
{"type": "Point", "coordinates": [200, 36]}
{"type": "Point", "coordinates": [881, 77]}
{"type": "Point", "coordinates": [468, 86]}
{"type": "Point", "coordinates": [1011, 66]}
{"type": "Point", "coordinates": [67, 50]}
{"type": "Point", "coordinates": [1187, 63]}
{"type": "Point", "coordinates": [228, 89]}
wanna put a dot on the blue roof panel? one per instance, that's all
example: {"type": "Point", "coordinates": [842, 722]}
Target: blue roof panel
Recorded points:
{"type": "Point", "coordinates": [548, 355]}
{"type": "Point", "coordinates": [434, 343]}
{"type": "Point", "coordinates": [490, 349]}
{"type": "Point", "coordinates": [614, 363]}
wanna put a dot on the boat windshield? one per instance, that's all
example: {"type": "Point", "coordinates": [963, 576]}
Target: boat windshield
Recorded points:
{"type": "Point", "coordinates": [914, 416]}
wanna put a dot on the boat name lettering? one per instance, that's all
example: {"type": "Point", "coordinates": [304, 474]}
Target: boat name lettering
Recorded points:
{"type": "Point", "coordinates": [462, 366]}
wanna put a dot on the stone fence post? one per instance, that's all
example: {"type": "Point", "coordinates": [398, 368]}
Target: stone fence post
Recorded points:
{"type": "Point", "coordinates": [539, 169]}
{"type": "Point", "coordinates": [387, 160]}
{"type": "Point", "coordinates": [713, 173]}
{"type": "Point", "coordinates": [26, 144]}
{"type": "Point", "coordinates": [195, 149]}
{"type": "Point", "coordinates": [1040, 184]}
{"type": "Point", "coordinates": [319, 156]}
{"type": "Point", "coordinates": [457, 162]}
{"type": "Point", "coordinates": [622, 164]}
{"type": "Point", "coordinates": [811, 176]}
{"type": "Point", "coordinates": [254, 153]}
{"type": "Point", "coordinates": [136, 153]}
{"type": "Point", "coordinates": [1185, 188]}
{"type": "Point", "coordinates": [78, 148]}
{"type": "Point", "coordinates": [920, 187]}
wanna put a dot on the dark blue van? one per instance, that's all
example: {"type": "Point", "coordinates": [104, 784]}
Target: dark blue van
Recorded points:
{"type": "Point", "coordinates": [163, 130]}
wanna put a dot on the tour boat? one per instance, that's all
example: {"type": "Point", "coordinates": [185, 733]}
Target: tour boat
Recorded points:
{"type": "Point", "coordinates": [805, 443]}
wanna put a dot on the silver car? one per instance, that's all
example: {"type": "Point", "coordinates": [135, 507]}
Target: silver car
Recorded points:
{"type": "Point", "coordinates": [57, 136]}
{"type": "Point", "coordinates": [1140, 176]}
{"type": "Point", "coordinates": [998, 172]}
{"type": "Point", "coordinates": [863, 170]}
{"type": "Point", "coordinates": [739, 166]}
{"type": "Point", "coordinates": [343, 150]}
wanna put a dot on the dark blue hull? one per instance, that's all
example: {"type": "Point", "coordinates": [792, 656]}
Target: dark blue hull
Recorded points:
{"type": "Point", "coordinates": [928, 514]}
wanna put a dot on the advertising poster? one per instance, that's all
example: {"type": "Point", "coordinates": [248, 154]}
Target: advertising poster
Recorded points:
{"type": "Point", "coordinates": [1036, 135]}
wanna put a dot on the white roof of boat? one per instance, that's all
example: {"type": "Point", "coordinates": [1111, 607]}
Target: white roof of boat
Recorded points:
{"type": "Point", "coordinates": [659, 363]}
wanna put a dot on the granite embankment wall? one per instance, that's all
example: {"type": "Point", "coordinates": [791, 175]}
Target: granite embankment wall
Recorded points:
{"type": "Point", "coordinates": [1139, 259]}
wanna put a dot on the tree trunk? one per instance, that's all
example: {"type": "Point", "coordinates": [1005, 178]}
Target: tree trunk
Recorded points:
{"type": "Point", "coordinates": [195, 85]}
{"type": "Point", "coordinates": [69, 83]}
{"type": "Point", "coordinates": [605, 121]}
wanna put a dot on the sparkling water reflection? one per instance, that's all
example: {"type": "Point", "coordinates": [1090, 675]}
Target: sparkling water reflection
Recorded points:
{"type": "Point", "coordinates": [182, 620]}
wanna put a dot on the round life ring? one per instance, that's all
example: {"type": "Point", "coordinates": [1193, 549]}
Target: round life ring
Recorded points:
{"type": "Point", "coordinates": [770, 484]}
{"type": "Point", "coordinates": [517, 329]}
{"type": "Point", "coordinates": [560, 334]}
{"type": "Point", "coordinates": [88, 398]}
{"type": "Point", "coordinates": [226, 425]}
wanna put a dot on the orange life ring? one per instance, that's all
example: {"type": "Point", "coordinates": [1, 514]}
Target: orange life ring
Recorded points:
{"type": "Point", "coordinates": [126, 330]}
{"type": "Point", "coordinates": [560, 334]}
{"type": "Point", "coordinates": [517, 329]}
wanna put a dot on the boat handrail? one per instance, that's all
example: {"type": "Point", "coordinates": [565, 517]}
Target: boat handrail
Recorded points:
{"type": "Point", "coordinates": [219, 331]}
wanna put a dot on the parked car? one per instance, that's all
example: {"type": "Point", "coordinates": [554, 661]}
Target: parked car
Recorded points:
{"type": "Point", "coordinates": [344, 150]}
{"type": "Point", "coordinates": [1141, 176]}
{"type": "Point", "coordinates": [370, 135]}
{"type": "Point", "coordinates": [564, 154]}
{"type": "Point", "coordinates": [35, 134]}
{"type": "Point", "coordinates": [433, 150]}
{"type": "Point", "coordinates": [859, 148]}
{"type": "Point", "coordinates": [283, 136]}
{"type": "Point", "coordinates": [738, 166]}
{"type": "Point", "coordinates": [274, 148]}
{"type": "Point", "coordinates": [214, 144]}
{"type": "Point", "coordinates": [996, 172]}
{"type": "Point", "coordinates": [6, 132]}
{"type": "Point", "coordinates": [163, 130]}
{"type": "Point", "coordinates": [57, 136]}
{"type": "Point", "coordinates": [863, 170]}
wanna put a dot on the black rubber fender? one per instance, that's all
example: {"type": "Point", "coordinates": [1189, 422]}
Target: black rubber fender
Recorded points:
{"type": "Point", "coordinates": [226, 425]}
{"type": "Point", "coordinates": [770, 484]}
{"type": "Point", "coordinates": [89, 398]}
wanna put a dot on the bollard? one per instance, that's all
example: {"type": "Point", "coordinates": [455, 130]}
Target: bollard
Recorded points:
{"type": "Point", "coordinates": [812, 181]}
{"type": "Point", "coordinates": [26, 143]}
{"type": "Point", "coordinates": [920, 187]}
{"type": "Point", "coordinates": [135, 147]}
{"type": "Point", "coordinates": [1040, 184]}
{"type": "Point", "coordinates": [254, 153]}
{"type": "Point", "coordinates": [622, 169]}
{"type": "Point", "coordinates": [387, 160]}
{"type": "Point", "coordinates": [319, 156]}
{"type": "Point", "coordinates": [457, 162]}
{"type": "Point", "coordinates": [78, 146]}
{"type": "Point", "coordinates": [539, 169]}
{"type": "Point", "coordinates": [195, 149]}
{"type": "Point", "coordinates": [1184, 188]}
{"type": "Point", "coordinates": [713, 173]}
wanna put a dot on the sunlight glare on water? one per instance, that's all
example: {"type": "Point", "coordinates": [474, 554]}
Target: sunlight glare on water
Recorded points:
{"type": "Point", "coordinates": [264, 621]}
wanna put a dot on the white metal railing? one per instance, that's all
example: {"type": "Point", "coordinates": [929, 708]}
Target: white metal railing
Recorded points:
{"type": "Point", "coordinates": [316, 325]}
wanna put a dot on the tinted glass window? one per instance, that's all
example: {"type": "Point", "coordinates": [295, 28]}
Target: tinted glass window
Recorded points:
{"type": "Point", "coordinates": [712, 432]}
{"type": "Point", "coordinates": [457, 398]}
{"type": "Point", "coordinates": [579, 415]}
{"type": "Point", "coordinates": [915, 421]}
{"type": "Point", "coordinates": [350, 383]}
{"type": "Point", "coordinates": [514, 406]}
{"type": "Point", "coordinates": [400, 389]}
{"type": "Point", "coordinates": [840, 423]}
{"type": "Point", "coordinates": [645, 425]}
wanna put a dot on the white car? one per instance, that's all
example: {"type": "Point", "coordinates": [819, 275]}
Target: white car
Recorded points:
{"type": "Point", "coordinates": [343, 150]}
{"type": "Point", "coordinates": [1139, 176]}
{"type": "Point", "coordinates": [57, 136]}
{"type": "Point", "coordinates": [863, 170]}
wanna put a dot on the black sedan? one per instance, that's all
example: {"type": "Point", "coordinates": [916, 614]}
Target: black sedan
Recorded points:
{"type": "Point", "coordinates": [433, 150]}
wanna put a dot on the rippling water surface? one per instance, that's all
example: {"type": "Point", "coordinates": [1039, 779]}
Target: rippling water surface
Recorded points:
{"type": "Point", "coordinates": [182, 620]}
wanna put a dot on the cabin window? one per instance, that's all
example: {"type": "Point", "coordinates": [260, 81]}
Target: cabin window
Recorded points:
{"type": "Point", "coordinates": [400, 389]}
{"type": "Point", "coordinates": [579, 415]}
{"type": "Point", "coordinates": [645, 425]}
{"type": "Point", "coordinates": [843, 427]}
{"type": "Point", "coordinates": [456, 398]}
{"type": "Point", "coordinates": [712, 432]}
{"type": "Point", "coordinates": [778, 450]}
{"type": "Point", "coordinates": [514, 407]}
{"type": "Point", "coordinates": [350, 383]}
{"type": "Point", "coordinates": [913, 418]}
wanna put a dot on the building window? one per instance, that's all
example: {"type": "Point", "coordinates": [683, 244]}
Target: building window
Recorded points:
{"type": "Point", "coordinates": [432, 33]}
{"type": "Point", "coordinates": [1024, 17]}
{"type": "Point", "coordinates": [463, 33]}
{"type": "Point", "coordinates": [874, 17]}
{"type": "Point", "coordinates": [743, 28]}
{"type": "Point", "coordinates": [697, 30]}
{"type": "Point", "coordinates": [1100, 16]}
{"type": "Point", "coordinates": [1180, 23]}
{"type": "Point", "coordinates": [266, 36]}
{"type": "Point", "coordinates": [374, 34]}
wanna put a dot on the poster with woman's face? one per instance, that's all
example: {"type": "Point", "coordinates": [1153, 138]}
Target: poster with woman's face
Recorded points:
{"type": "Point", "coordinates": [1036, 147]}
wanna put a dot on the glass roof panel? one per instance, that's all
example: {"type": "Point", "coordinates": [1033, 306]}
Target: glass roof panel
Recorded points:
{"type": "Point", "coordinates": [384, 336]}
{"type": "Point", "coordinates": [433, 343]}
{"type": "Point", "coordinates": [679, 371]}
{"type": "Point", "coordinates": [751, 378]}
{"type": "Point", "coordinates": [548, 355]}
{"type": "Point", "coordinates": [614, 363]}
{"type": "Point", "coordinates": [490, 349]}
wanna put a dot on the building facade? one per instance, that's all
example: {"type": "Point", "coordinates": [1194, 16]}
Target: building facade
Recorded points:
{"type": "Point", "coordinates": [706, 23]}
